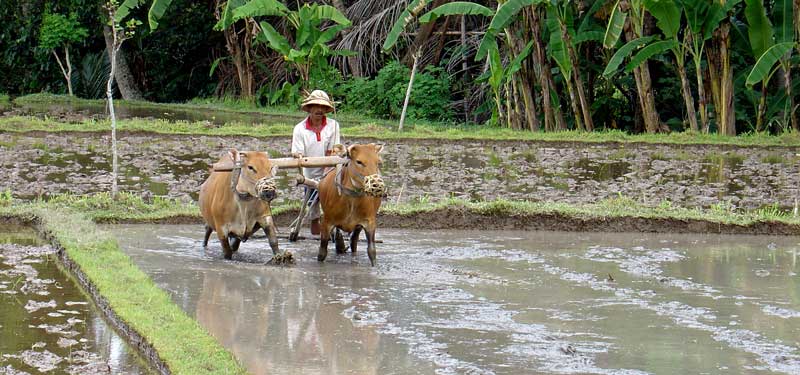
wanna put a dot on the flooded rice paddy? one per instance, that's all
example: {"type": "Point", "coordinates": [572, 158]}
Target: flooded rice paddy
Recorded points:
{"type": "Point", "coordinates": [421, 170]}
{"type": "Point", "coordinates": [450, 302]}
{"type": "Point", "coordinates": [47, 325]}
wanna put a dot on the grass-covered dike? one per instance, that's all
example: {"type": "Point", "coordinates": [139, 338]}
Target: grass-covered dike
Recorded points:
{"type": "Point", "coordinates": [282, 121]}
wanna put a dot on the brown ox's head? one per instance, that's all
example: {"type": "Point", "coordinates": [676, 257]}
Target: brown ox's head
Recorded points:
{"type": "Point", "coordinates": [364, 165]}
{"type": "Point", "coordinates": [255, 176]}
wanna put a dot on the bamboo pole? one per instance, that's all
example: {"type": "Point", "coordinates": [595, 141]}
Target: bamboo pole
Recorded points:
{"type": "Point", "coordinates": [309, 162]}
{"type": "Point", "coordinates": [408, 91]}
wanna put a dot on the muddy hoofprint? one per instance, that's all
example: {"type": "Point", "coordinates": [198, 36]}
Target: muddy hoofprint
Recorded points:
{"type": "Point", "coordinates": [424, 170]}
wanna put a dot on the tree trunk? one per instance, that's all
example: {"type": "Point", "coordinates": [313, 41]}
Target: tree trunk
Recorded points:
{"type": "Point", "coordinates": [787, 81]}
{"type": "Point", "coordinates": [701, 94]}
{"type": "Point", "coordinates": [553, 119]}
{"type": "Point", "coordinates": [644, 88]}
{"type": "Point", "coordinates": [762, 107]}
{"type": "Point", "coordinates": [573, 101]}
{"type": "Point", "coordinates": [69, 70]}
{"type": "Point", "coordinates": [66, 73]}
{"type": "Point", "coordinates": [586, 111]}
{"type": "Point", "coordinates": [110, 95]}
{"type": "Point", "coordinates": [727, 117]}
{"type": "Point", "coordinates": [796, 8]}
{"type": "Point", "coordinates": [688, 100]}
{"type": "Point", "coordinates": [464, 65]}
{"type": "Point", "coordinates": [525, 105]}
{"type": "Point", "coordinates": [440, 47]}
{"type": "Point", "coordinates": [125, 81]}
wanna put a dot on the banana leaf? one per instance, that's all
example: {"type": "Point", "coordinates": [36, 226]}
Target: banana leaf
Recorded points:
{"type": "Point", "coordinates": [157, 10]}
{"type": "Point", "coordinates": [615, 24]}
{"type": "Point", "coordinates": [763, 69]}
{"type": "Point", "coordinates": [760, 28]}
{"type": "Point", "coordinates": [408, 15]}
{"type": "Point", "coordinates": [667, 14]}
{"type": "Point", "coordinates": [624, 52]}
{"type": "Point", "coordinates": [275, 40]}
{"type": "Point", "coordinates": [651, 50]}
{"type": "Point", "coordinates": [456, 8]}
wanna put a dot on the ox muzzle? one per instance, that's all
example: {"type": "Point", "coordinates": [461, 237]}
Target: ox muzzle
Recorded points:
{"type": "Point", "coordinates": [266, 189]}
{"type": "Point", "coordinates": [374, 185]}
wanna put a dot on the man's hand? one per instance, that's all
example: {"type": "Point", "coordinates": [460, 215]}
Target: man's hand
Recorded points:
{"type": "Point", "coordinates": [297, 155]}
{"type": "Point", "coordinates": [338, 150]}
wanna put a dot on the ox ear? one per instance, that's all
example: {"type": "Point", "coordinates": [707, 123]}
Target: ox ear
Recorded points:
{"type": "Point", "coordinates": [378, 147]}
{"type": "Point", "coordinates": [274, 171]}
{"type": "Point", "coordinates": [350, 151]}
{"type": "Point", "coordinates": [234, 154]}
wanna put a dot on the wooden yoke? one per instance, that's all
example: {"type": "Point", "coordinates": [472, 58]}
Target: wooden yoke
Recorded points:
{"type": "Point", "coordinates": [310, 162]}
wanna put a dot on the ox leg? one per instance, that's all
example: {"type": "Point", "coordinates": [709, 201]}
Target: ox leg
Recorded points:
{"type": "Point", "coordinates": [272, 233]}
{"type": "Point", "coordinates": [354, 239]}
{"type": "Point", "coordinates": [324, 237]}
{"type": "Point", "coordinates": [208, 234]}
{"type": "Point", "coordinates": [226, 247]}
{"type": "Point", "coordinates": [235, 242]}
{"type": "Point", "coordinates": [371, 242]}
{"type": "Point", "coordinates": [341, 248]}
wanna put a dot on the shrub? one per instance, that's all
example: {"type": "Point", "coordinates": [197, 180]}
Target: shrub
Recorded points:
{"type": "Point", "coordinates": [383, 96]}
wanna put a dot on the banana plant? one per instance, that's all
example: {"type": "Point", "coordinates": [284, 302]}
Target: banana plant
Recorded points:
{"type": "Point", "coordinates": [668, 17]}
{"type": "Point", "coordinates": [772, 46]}
{"type": "Point", "coordinates": [310, 49]}
{"type": "Point", "coordinates": [154, 14]}
{"type": "Point", "coordinates": [628, 16]}
{"type": "Point", "coordinates": [702, 18]}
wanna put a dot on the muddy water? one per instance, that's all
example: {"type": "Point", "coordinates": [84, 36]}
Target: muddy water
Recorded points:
{"type": "Point", "coordinates": [47, 325]}
{"type": "Point", "coordinates": [492, 302]}
{"type": "Point", "coordinates": [420, 170]}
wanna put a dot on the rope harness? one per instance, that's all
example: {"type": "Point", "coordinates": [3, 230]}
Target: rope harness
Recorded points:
{"type": "Point", "coordinates": [372, 185]}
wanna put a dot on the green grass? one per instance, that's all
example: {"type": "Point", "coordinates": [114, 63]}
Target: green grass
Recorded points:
{"type": "Point", "coordinates": [181, 342]}
{"type": "Point", "coordinates": [131, 208]}
{"type": "Point", "coordinates": [609, 208]}
{"type": "Point", "coordinates": [354, 125]}
{"type": "Point", "coordinates": [383, 133]}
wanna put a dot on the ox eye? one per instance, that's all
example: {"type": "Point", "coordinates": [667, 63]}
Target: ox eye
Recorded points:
{"type": "Point", "coordinates": [250, 167]}
{"type": "Point", "coordinates": [359, 163]}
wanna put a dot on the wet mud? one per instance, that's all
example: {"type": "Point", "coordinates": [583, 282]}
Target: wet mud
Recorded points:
{"type": "Point", "coordinates": [453, 302]}
{"type": "Point", "coordinates": [421, 171]}
{"type": "Point", "coordinates": [47, 325]}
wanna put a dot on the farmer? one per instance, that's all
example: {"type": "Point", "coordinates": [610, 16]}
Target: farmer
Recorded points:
{"type": "Point", "coordinates": [315, 136]}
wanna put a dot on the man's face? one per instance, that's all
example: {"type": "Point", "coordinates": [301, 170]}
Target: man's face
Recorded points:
{"type": "Point", "coordinates": [317, 111]}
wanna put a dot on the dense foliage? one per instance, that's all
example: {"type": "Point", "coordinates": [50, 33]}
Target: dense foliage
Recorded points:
{"type": "Point", "coordinates": [725, 66]}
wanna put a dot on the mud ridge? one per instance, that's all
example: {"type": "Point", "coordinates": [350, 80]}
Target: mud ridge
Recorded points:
{"type": "Point", "coordinates": [461, 218]}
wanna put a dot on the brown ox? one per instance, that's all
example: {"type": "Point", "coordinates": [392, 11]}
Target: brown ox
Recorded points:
{"type": "Point", "coordinates": [236, 204]}
{"type": "Point", "coordinates": [350, 199]}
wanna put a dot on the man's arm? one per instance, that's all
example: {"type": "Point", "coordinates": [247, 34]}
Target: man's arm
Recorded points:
{"type": "Point", "coordinates": [298, 147]}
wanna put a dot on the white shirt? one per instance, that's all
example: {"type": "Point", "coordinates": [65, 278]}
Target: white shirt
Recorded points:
{"type": "Point", "coordinates": [312, 144]}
